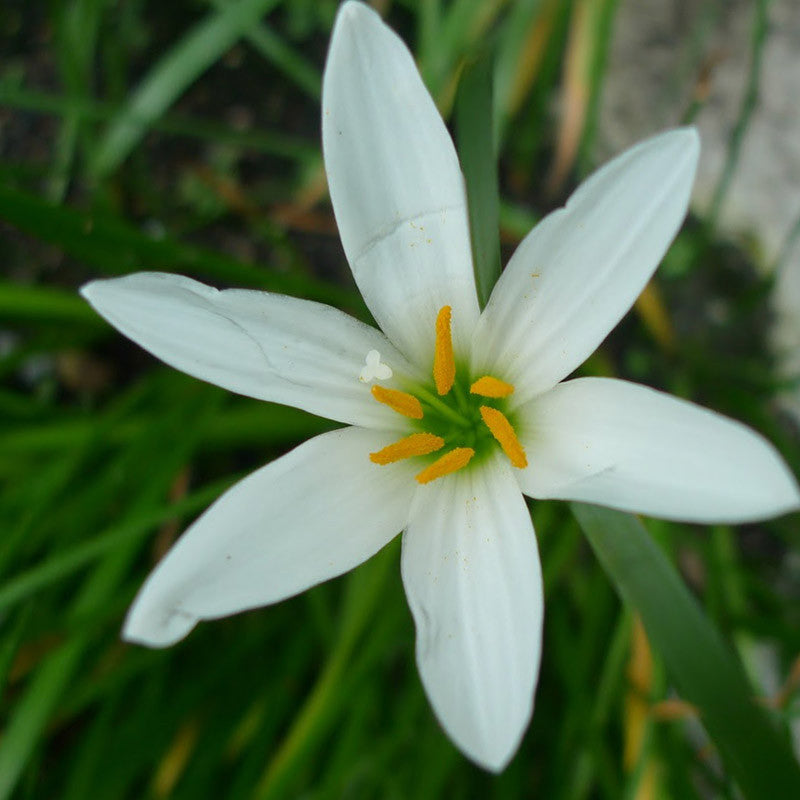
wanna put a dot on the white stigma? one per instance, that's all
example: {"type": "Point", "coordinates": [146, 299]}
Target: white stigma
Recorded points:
{"type": "Point", "coordinates": [374, 369]}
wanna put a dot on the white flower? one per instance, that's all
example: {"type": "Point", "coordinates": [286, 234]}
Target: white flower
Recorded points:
{"type": "Point", "coordinates": [452, 414]}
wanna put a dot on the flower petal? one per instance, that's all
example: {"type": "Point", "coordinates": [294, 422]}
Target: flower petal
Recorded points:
{"type": "Point", "coordinates": [473, 580]}
{"type": "Point", "coordinates": [313, 514]}
{"type": "Point", "coordinates": [623, 445]}
{"type": "Point", "coordinates": [396, 186]}
{"type": "Point", "coordinates": [267, 346]}
{"type": "Point", "coordinates": [578, 272]}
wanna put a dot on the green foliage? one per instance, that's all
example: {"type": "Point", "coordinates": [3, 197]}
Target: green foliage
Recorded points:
{"type": "Point", "coordinates": [476, 150]}
{"type": "Point", "coordinates": [184, 137]}
{"type": "Point", "coordinates": [704, 670]}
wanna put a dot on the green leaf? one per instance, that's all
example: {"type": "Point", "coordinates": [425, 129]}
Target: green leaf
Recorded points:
{"type": "Point", "coordinates": [33, 709]}
{"type": "Point", "coordinates": [476, 151]}
{"type": "Point", "coordinates": [362, 600]}
{"type": "Point", "coordinates": [204, 44]}
{"type": "Point", "coordinates": [275, 49]}
{"type": "Point", "coordinates": [64, 563]}
{"type": "Point", "coordinates": [87, 109]}
{"type": "Point", "coordinates": [703, 668]}
{"type": "Point", "coordinates": [58, 672]}
{"type": "Point", "coordinates": [116, 247]}
{"type": "Point", "coordinates": [43, 303]}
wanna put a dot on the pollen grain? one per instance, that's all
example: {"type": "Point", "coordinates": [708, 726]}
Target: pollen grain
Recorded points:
{"type": "Point", "coordinates": [487, 386]}
{"type": "Point", "coordinates": [418, 444]}
{"type": "Point", "coordinates": [449, 462]}
{"type": "Point", "coordinates": [501, 429]}
{"type": "Point", "coordinates": [401, 402]}
{"type": "Point", "coordinates": [444, 364]}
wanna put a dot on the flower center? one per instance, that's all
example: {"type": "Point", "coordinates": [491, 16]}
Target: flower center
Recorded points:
{"type": "Point", "coordinates": [455, 424]}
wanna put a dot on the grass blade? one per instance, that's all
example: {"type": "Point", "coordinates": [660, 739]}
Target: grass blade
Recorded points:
{"type": "Point", "coordinates": [476, 151]}
{"type": "Point", "coordinates": [116, 247]}
{"type": "Point", "coordinates": [703, 668]}
{"type": "Point", "coordinates": [32, 712]}
{"type": "Point", "coordinates": [275, 50]}
{"type": "Point", "coordinates": [171, 76]}
{"type": "Point", "coordinates": [87, 109]}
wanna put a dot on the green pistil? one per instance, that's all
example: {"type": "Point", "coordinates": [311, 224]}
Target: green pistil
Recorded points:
{"type": "Point", "coordinates": [461, 398]}
{"type": "Point", "coordinates": [441, 406]}
{"type": "Point", "coordinates": [456, 417]}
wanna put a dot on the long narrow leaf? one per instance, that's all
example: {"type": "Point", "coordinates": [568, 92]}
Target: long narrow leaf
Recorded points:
{"type": "Point", "coordinates": [172, 75]}
{"type": "Point", "coordinates": [44, 303]}
{"type": "Point", "coordinates": [476, 150]}
{"type": "Point", "coordinates": [88, 109]}
{"type": "Point", "coordinates": [114, 246]}
{"type": "Point", "coordinates": [703, 668]}
{"type": "Point", "coordinates": [286, 58]}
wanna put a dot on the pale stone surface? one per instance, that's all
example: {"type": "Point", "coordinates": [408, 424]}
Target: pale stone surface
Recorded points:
{"type": "Point", "coordinates": [660, 52]}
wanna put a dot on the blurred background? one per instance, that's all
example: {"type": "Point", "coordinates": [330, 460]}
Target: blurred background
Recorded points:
{"type": "Point", "coordinates": [184, 137]}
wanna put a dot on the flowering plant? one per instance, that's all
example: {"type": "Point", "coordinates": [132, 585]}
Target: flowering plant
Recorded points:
{"type": "Point", "coordinates": [452, 413]}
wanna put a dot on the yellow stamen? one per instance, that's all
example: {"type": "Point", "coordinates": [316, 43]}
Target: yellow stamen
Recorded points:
{"type": "Point", "coordinates": [444, 364]}
{"type": "Point", "coordinates": [402, 403]}
{"type": "Point", "coordinates": [487, 386]}
{"type": "Point", "coordinates": [449, 462]}
{"type": "Point", "coordinates": [418, 444]}
{"type": "Point", "coordinates": [501, 429]}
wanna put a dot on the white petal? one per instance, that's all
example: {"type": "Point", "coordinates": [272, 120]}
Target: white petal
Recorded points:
{"type": "Point", "coordinates": [623, 445]}
{"type": "Point", "coordinates": [267, 346]}
{"type": "Point", "coordinates": [396, 186]}
{"type": "Point", "coordinates": [313, 514]}
{"type": "Point", "coordinates": [578, 272]}
{"type": "Point", "coordinates": [473, 580]}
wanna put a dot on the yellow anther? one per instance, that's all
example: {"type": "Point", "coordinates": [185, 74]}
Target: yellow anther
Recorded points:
{"type": "Point", "coordinates": [487, 386]}
{"type": "Point", "coordinates": [444, 364]}
{"type": "Point", "coordinates": [402, 403]}
{"type": "Point", "coordinates": [418, 444]}
{"type": "Point", "coordinates": [449, 462]}
{"type": "Point", "coordinates": [501, 429]}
